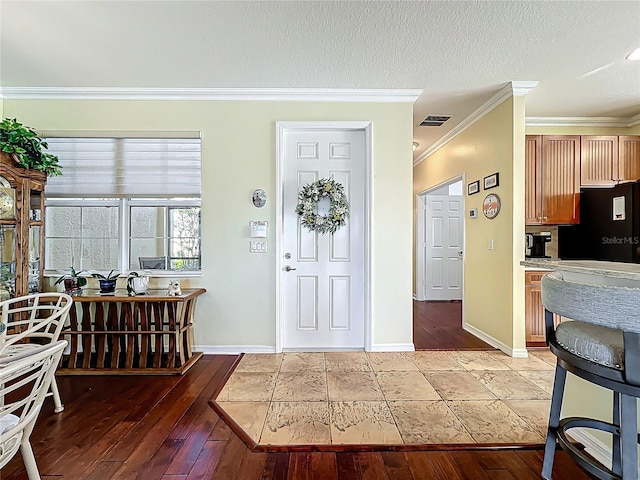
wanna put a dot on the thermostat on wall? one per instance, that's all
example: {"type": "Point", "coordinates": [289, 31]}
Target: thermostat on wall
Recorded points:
{"type": "Point", "coordinates": [473, 213]}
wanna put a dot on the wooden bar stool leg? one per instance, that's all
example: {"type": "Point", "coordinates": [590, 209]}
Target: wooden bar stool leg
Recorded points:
{"type": "Point", "coordinates": [629, 434]}
{"type": "Point", "coordinates": [616, 464]}
{"type": "Point", "coordinates": [554, 421]}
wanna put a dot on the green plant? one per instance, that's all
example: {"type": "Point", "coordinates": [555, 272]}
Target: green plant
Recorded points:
{"type": "Point", "coordinates": [73, 274]}
{"type": "Point", "coordinates": [27, 147]}
{"type": "Point", "coordinates": [113, 275]}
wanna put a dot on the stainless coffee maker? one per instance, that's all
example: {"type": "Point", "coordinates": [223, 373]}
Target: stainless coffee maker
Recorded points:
{"type": "Point", "coordinates": [536, 244]}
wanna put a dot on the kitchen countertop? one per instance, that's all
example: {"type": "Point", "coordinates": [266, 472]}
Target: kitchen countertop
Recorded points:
{"type": "Point", "coordinates": [617, 270]}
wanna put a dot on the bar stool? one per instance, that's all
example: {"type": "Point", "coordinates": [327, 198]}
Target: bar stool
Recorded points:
{"type": "Point", "coordinates": [602, 346]}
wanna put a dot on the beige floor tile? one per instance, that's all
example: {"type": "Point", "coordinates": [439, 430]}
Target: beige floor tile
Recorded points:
{"type": "Point", "coordinates": [300, 386]}
{"type": "Point", "coordinates": [428, 422]}
{"type": "Point", "coordinates": [510, 385]}
{"type": "Point", "coordinates": [428, 361]}
{"type": "Point", "coordinates": [259, 362]}
{"type": "Point", "coordinates": [249, 416]}
{"type": "Point", "coordinates": [534, 412]}
{"type": "Point", "coordinates": [542, 379]}
{"type": "Point", "coordinates": [351, 386]}
{"type": "Point", "coordinates": [363, 423]}
{"type": "Point", "coordinates": [545, 355]}
{"type": "Point", "coordinates": [296, 423]}
{"type": "Point", "coordinates": [298, 362]}
{"type": "Point", "coordinates": [529, 363]}
{"type": "Point", "coordinates": [391, 361]}
{"type": "Point", "coordinates": [458, 385]}
{"type": "Point", "coordinates": [478, 360]}
{"type": "Point", "coordinates": [493, 422]}
{"type": "Point", "coordinates": [347, 361]}
{"type": "Point", "coordinates": [406, 386]}
{"type": "Point", "coordinates": [248, 387]}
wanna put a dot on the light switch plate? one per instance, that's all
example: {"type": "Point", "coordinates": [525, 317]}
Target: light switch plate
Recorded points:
{"type": "Point", "coordinates": [258, 246]}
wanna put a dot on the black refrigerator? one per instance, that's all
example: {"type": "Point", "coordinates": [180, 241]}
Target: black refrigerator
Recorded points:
{"type": "Point", "coordinates": [609, 226]}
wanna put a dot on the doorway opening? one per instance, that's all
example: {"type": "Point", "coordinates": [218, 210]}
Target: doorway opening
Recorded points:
{"type": "Point", "coordinates": [438, 314]}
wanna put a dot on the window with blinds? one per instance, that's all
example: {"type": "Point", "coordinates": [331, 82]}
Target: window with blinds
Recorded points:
{"type": "Point", "coordinates": [120, 201]}
{"type": "Point", "coordinates": [126, 167]}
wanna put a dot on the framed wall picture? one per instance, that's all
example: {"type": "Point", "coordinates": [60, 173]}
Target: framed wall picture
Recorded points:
{"type": "Point", "coordinates": [473, 187]}
{"type": "Point", "coordinates": [491, 181]}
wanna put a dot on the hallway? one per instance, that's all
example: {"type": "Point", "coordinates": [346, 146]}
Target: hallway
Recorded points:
{"type": "Point", "coordinates": [438, 326]}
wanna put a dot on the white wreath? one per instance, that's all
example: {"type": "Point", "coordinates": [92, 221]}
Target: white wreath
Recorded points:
{"type": "Point", "coordinates": [307, 209]}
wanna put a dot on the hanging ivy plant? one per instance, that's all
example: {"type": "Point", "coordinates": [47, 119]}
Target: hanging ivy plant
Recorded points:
{"type": "Point", "coordinates": [24, 145]}
{"type": "Point", "coordinates": [307, 209]}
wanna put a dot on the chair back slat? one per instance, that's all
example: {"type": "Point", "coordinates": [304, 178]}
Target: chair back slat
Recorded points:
{"type": "Point", "coordinates": [40, 315]}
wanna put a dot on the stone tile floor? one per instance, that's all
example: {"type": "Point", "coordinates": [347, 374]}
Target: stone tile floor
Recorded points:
{"type": "Point", "coordinates": [430, 397]}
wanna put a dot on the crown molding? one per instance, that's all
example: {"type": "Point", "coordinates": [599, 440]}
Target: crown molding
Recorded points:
{"type": "Point", "coordinates": [582, 121]}
{"type": "Point", "coordinates": [204, 94]}
{"type": "Point", "coordinates": [511, 89]}
{"type": "Point", "coordinates": [635, 120]}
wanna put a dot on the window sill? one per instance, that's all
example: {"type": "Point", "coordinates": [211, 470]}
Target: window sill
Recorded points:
{"type": "Point", "coordinates": [151, 274]}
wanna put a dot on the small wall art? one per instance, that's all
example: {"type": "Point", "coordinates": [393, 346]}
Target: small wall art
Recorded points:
{"type": "Point", "coordinates": [491, 181]}
{"type": "Point", "coordinates": [473, 187]}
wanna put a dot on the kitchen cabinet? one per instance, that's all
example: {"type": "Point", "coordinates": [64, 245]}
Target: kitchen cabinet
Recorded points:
{"type": "Point", "coordinates": [21, 229]}
{"type": "Point", "coordinates": [535, 335]}
{"type": "Point", "coordinates": [552, 179]}
{"type": "Point", "coordinates": [629, 157]}
{"type": "Point", "coordinates": [608, 160]}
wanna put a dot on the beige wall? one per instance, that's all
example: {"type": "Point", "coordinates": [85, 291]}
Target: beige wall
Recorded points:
{"type": "Point", "coordinates": [238, 155]}
{"type": "Point", "coordinates": [493, 279]}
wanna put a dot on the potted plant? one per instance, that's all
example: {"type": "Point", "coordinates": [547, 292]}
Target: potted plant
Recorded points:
{"type": "Point", "coordinates": [137, 284]}
{"type": "Point", "coordinates": [107, 283]}
{"type": "Point", "coordinates": [73, 281]}
{"type": "Point", "coordinates": [24, 145]}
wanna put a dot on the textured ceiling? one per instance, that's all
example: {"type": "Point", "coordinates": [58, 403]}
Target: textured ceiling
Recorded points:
{"type": "Point", "coordinates": [459, 53]}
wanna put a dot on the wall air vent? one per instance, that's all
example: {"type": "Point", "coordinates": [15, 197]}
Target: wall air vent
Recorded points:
{"type": "Point", "coordinates": [434, 120]}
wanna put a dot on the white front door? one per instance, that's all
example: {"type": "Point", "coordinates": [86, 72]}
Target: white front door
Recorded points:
{"type": "Point", "coordinates": [323, 286]}
{"type": "Point", "coordinates": [443, 225]}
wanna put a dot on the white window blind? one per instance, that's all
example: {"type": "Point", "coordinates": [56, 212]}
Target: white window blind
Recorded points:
{"type": "Point", "coordinates": [126, 167]}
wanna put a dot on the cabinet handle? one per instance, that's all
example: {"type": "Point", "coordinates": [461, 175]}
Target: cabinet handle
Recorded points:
{"type": "Point", "coordinates": [544, 218]}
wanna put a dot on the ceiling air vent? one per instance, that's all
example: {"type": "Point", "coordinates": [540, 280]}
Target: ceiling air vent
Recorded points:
{"type": "Point", "coordinates": [434, 120]}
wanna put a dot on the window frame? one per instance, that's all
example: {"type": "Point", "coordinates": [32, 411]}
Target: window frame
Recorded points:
{"type": "Point", "coordinates": [124, 227]}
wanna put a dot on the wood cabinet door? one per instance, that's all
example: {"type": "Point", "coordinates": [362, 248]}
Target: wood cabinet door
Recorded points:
{"type": "Point", "coordinates": [598, 160]}
{"type": "Point", "coordinates": [532, 194]}
{"type": "Point", "coordinates": [629, 157]}
{"type": "Point", "coordinates": [534, 315]}
{"type": "Point", "coordinates": [560, 179]}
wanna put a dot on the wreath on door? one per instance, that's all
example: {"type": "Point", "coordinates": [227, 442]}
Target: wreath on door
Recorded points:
{"type": "Point", "coordinates": [307, 209]}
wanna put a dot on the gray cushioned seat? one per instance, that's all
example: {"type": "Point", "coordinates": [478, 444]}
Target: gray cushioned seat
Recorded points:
{"type": "Point", "coordinates": [595, 343]}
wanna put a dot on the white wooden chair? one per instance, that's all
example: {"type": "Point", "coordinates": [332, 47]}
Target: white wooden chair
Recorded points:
{"type": "Point", "coordinates": [24, 382]}
{"type": "Point", "coordinates": [31, 321]}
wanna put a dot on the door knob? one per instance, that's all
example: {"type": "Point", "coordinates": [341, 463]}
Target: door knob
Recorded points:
{"type": "Point", "coordinates": [288, 268]}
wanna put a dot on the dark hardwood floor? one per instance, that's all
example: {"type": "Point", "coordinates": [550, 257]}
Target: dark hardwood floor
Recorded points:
{"type": "Point", "coordinates": [162, 428]}
{"type": "Point", "coordinates": [438, 326]}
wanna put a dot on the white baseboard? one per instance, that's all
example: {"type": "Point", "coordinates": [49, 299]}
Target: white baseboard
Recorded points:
{"type": "Point", "coordinates": [233, 349]}
{"type": "Point", "coordinates": [393, 347]}
{"type": "Point", "coordinates": [494, 342]}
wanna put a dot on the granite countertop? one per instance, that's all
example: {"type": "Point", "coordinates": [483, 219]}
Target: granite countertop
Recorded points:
{"type": "Point", "coordinates": [629, 271]}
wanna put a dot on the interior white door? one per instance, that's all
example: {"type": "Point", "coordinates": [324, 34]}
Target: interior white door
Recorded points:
{"type": "Point", "coordinates": [444, 239]}
{"type": "Point", "coordinates": [323, 288]}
